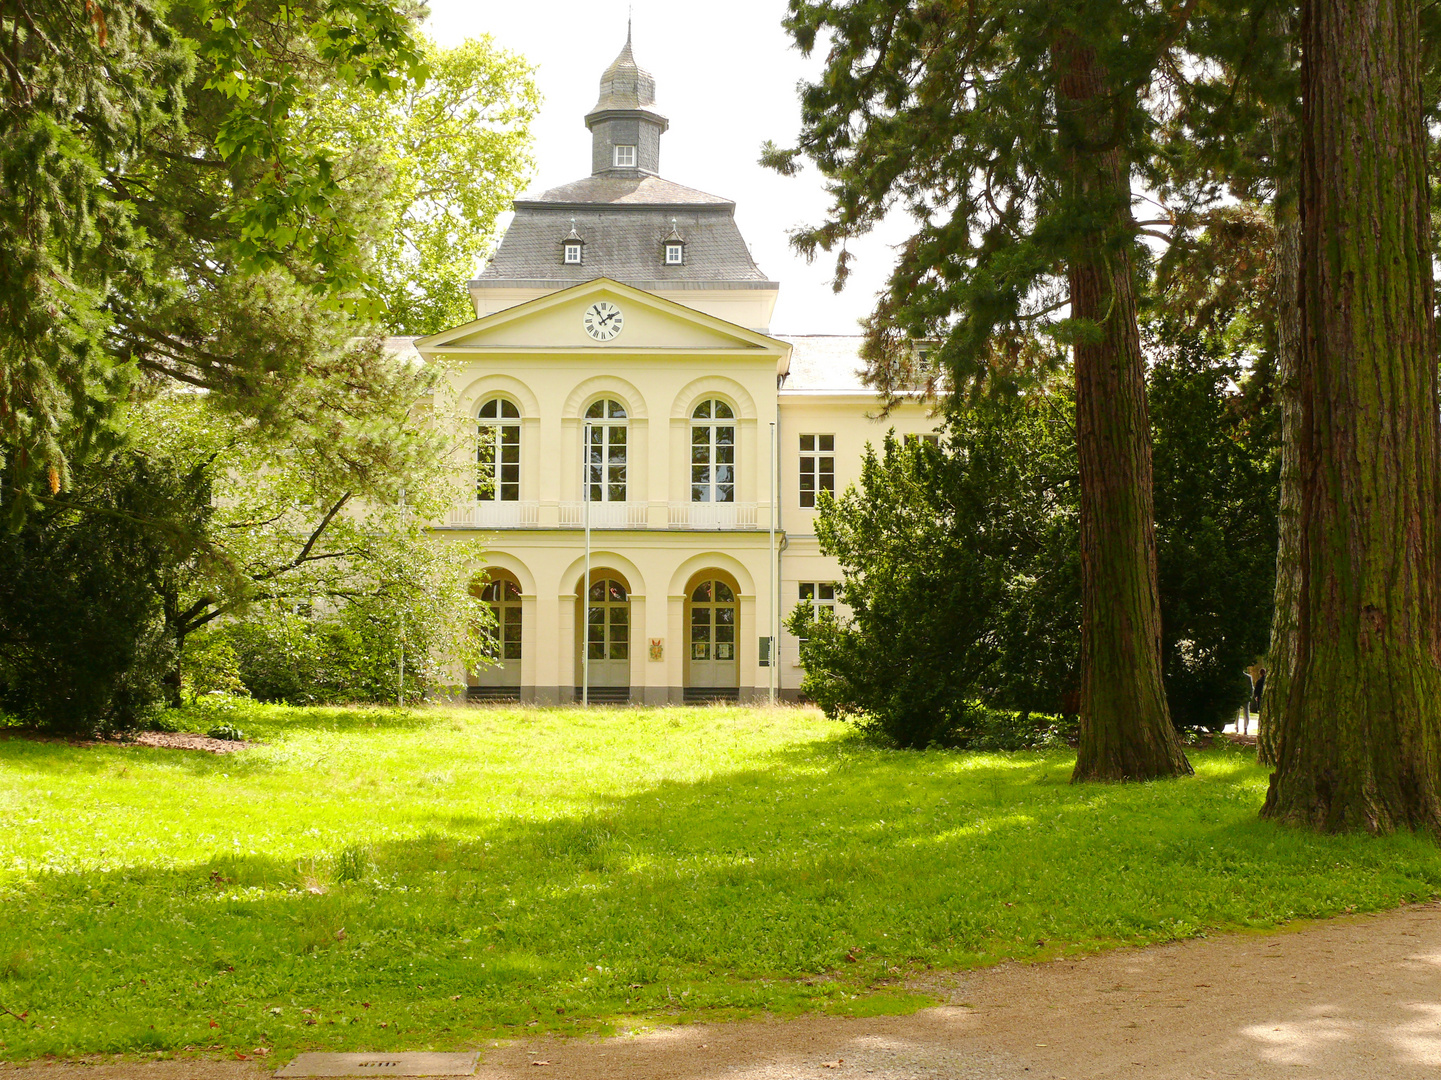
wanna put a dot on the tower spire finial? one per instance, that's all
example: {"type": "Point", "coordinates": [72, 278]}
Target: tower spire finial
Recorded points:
{"type": "Point", "coordinates": [629, 17]}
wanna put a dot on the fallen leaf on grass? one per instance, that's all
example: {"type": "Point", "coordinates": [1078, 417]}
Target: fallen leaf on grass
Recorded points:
{"type": "Point", "coordinates": [540, 1063]}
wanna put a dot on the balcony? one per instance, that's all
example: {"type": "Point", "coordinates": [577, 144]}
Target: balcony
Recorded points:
{"type": "Point", "coordinates": [699, 515]}
{"type": "Point", "coordinates": [494, 515]}
{"type": "Point", "coordinates": [604, 515]}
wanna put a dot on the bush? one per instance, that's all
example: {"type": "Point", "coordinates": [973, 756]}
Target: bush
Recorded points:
{"type": "Point", "coordinates": [961, 563]}
{"type": "Point", "coordinates": [83, 644]}
{"type": "Point", "coordinates": [959, 575]}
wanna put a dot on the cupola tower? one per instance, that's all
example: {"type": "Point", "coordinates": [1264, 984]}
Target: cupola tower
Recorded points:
{"type": "Point", "coordinates": [624, 126]}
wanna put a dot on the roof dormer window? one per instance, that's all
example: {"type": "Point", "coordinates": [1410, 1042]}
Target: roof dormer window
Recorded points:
{"type": "Point", "coordinates": [673, 246]}
{"type": "Point", "coordinates": [625, 157]}
{"type": "Point", "coordinates": [572, 247]}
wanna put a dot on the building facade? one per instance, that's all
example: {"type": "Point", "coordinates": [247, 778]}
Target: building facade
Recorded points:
{"type": "Point", "coordinates": [621, 375]}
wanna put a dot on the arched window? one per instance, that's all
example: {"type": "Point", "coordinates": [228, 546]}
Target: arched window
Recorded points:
{"type": "Point", "coordinates": [497, 452]}
{"type": "Point", "coordinates": [503, 596]}
{"type": "Point", "coordinates": [712, 452]}
{"type": "Point", "coordinates": [605, 459]}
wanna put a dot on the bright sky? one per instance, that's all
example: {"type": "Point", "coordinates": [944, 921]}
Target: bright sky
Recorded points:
{"type": "Point", "coordinates": [725, 77]}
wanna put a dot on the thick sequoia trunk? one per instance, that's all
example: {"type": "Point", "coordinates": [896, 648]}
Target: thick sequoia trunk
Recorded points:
{"type": "Point", "coordinates": [1126, 729]}
{"type": "Point", "coordinates": [1361, 724]}
{"type": "Point", "coordinates": [1282, 656]}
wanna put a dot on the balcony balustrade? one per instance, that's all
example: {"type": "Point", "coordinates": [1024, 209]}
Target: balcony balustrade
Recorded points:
{"type": "Point", "coordinates": [712, 515]}
{"type": "Point", "coordinates": [494, 515]}
{"type": "Point", "coordinates": [603, 515]}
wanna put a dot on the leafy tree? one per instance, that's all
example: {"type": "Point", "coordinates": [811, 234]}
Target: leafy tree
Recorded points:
{"type": "Point", "coordinates": [182, 199]}
{"type": "Point", "coordinates": [315, 532]}
{"type": "Point", "coordinates": [1011, 131]}
{"type": "Point", "coordinates": [456, 152]}
{"type": "Point", "coordinates": [1360, 727]}
{"type": "Point", "coordinates": [962, 564]}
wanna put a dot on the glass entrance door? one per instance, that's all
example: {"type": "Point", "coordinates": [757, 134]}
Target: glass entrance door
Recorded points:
{"type": "Point", "coordinates": [607, 633]}
{"type": "Point", "coordinates": [713, 659]}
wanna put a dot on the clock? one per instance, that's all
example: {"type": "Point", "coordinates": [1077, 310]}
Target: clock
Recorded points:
{"type": "Point", "coordinates": [603, 320]}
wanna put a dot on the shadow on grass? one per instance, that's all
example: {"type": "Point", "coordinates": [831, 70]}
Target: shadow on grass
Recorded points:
{"type": "Point", "coordinates": [830, 870]}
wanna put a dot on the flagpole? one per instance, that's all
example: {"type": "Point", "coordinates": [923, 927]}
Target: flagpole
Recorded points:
{"type": "Point", "coordinates": [585, 598]}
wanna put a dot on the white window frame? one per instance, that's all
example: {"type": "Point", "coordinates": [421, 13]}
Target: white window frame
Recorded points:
{"type": "Point", "coordinates": [915, 438]}
{"type": "Point", "coordinates": [625, 157]}
{"type": "Point", "coordinates": [573, 252]}
{"type": "Point", "coordinates": [822, 448]}
{"type": "Point", "coordinates": [494, 436]}
{"type": "Point", "coordinates": [674, 254]}
{"type": "Point", "coordinates": [607, 453]}
{"type": "Point", "coordinates": [710, 464]}
{"type": "Point", "coordinates": [818, 601]}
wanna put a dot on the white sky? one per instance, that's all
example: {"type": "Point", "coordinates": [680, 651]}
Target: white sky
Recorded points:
{"type": "Point", "coordinates": [725, 77]}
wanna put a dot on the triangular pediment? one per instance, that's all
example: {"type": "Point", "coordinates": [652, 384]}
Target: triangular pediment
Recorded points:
{"type": "Point", "coordinates": [557, 322]}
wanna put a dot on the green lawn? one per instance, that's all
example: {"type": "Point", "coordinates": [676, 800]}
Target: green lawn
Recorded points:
{"type": "Point", "coordinates": [369, 880]}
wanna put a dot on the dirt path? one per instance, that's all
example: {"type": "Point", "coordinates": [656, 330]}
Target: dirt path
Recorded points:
{"type": "Point", "coordinates": [1351, 999]}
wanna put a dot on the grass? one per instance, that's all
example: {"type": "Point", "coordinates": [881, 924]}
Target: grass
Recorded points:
{"type": "Point", "coordinates": [375, 880]}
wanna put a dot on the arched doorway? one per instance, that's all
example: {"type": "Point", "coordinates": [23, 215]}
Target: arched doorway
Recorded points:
{"type": "Point", "coordinates": [713, 649]}
{"type": "Point", "coordinates": [500, 681]}
{"type": "Point", "coordinates": [604, 638]}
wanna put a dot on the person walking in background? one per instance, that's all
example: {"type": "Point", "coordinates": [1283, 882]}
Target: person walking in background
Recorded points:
{"type": "Point", "coordinates": [1257, 688]}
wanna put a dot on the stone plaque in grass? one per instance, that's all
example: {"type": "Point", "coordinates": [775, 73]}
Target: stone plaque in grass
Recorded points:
{"type": "Point", "coordinates": [406, 1064]}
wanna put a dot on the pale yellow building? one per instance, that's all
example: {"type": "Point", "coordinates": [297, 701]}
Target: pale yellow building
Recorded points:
{"type": "Point", "coordinates": [621, 344]}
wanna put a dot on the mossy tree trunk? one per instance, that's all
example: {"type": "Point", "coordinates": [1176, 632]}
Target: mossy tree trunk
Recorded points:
{"type": "Point", "coordinates": [1126, 729]}
{"type": "Point", "coordinates": [1360, 728]}
{"type": "Point", "coordinates": [1281, 657]}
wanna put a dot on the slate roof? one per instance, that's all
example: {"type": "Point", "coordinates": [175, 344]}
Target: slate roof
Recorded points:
{"type": "Point", "coordinates": [625, 84]}
{"type": "Point", "coordinates": [621, 191]}
{"type": "Point", "coordinates": [624, 241]}
{"type": "Point", "coordinates": [825, 364]}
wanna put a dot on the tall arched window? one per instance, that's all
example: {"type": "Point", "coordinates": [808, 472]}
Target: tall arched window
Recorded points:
{"type": "Point", "coordinates": [712, 452]}
{"type": "Point", "coordinates": [605, 458]}
{"type": "Point", "coordinates": [497, 452]}
{"type": "Point", "coordinates": [503, 596]}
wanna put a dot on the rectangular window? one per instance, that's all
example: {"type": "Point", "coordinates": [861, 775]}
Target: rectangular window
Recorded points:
{"type": "Point", "coordinates": [818, 466]}
{"type": "Point", "coordinates": [914, 439]}
{"type": "Point", "coordinates": [674, 254]}
{"type": "Point", "coordinates": [820, 596]}
{"type": "Point", "coordinates": [572, 254]}
{"type": "Point", "coordinates": [625, 157]}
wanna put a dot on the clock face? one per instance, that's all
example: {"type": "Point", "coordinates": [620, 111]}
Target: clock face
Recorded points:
{"type": "Point", "coordinates": [603, 320]}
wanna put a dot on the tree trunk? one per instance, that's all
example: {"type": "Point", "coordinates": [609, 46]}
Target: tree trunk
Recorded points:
{"type": "Point", "coordinates": [1361, 725]}
{"type": "Point", "coordinates": [1282, 656]}
{"type": "Point", "coordinates": [1126, 729]}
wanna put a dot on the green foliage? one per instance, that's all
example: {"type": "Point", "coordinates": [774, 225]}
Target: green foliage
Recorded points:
{"type": "Point", "coordinates": [1216, 479]}
{"type": "Point", "coordinates": [319, 566]}
{"type": "Point", "coordinates": [181, 199]}
{"type": "Point", "coordinates": [454, 152]}
{"type": "Point", "coordinates": [961, 564]}
{"type": "Point", "coordinates": [943, 554]}
{"type": "Point", "coordinates": [80, 94]}
{"type": "Point", "coordinates": [228, 732]}
{"type": "Point", "coordinates": [729, 860]}
{"type": "Point", "coordinates": [83, 647]}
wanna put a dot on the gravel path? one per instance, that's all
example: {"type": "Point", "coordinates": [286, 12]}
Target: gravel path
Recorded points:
{"type": "Point", "coordinates": [1356, 998]}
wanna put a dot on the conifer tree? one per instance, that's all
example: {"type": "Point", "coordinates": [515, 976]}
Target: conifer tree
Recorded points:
{"type": "Point", "coordinates": [1359, 742]}
{"type": "Point", "coordinates": [1010, 129]}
